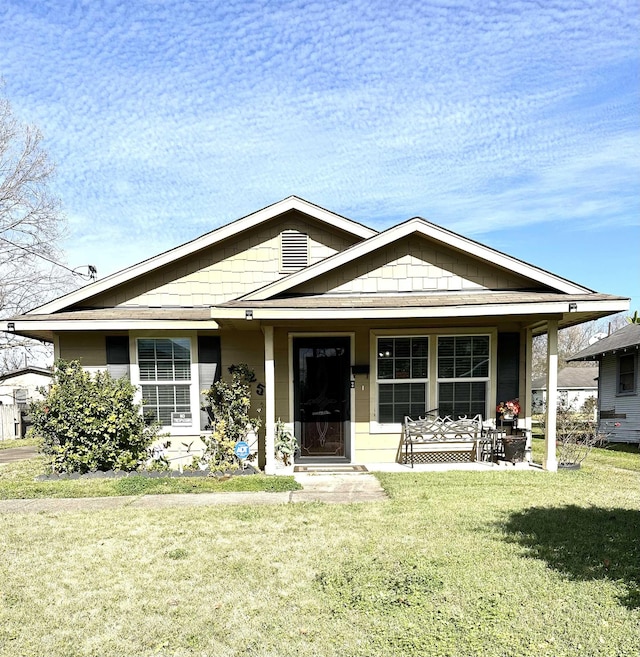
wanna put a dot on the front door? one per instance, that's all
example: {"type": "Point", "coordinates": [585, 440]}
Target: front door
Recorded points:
{"type": "Point", "coordinates": [322, 395]}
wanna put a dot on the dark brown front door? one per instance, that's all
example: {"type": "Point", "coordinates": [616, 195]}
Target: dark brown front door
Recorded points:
{"type": "Point", "coordinates": [322, 395]}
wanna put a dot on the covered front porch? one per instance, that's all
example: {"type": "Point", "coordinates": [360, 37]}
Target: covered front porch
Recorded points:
{"type": "Point", "coordinates": [343, 388]}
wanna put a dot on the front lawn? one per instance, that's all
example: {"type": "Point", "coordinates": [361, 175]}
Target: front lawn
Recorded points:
{"type": "Point", "coordinates": [460, 564]}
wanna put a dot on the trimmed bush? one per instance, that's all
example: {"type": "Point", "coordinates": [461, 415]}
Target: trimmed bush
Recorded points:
{"type": "Point", "coordinates": [91, 422]}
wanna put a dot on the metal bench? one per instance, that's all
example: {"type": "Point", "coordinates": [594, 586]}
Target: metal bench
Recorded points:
{"type": "Point", "coordinates": [434, 433]}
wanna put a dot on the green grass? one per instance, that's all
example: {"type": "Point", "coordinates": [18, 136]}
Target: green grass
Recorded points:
{"type": "Point", "coordinates": [497, 564]}
{"type": "Point", "coordinates": [17, 481]}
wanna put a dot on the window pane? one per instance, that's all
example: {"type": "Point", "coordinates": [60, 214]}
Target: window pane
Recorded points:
{"type": "Point", "coordinates": [385, 369]}
{"type": "Point", "coordinates": [402, 348]}
{"type": "Point", "coordinates": [386, 393]}
{"type": "Point", "coordinates": [463, 367]}
{"type": "Point", "coordinates": [403, 369]}
{"type": "Point", "coordinates": [182, 370]}
{"type": "Point", "coordinates": [182, 394]}
{"type": "Point", "coordinates": [181, 349]}
{"type": "Point", "coordinates": [147, 371]}
{"type": "Point", "coordinates": [146, 349]}
{"type": "Point", "coordinates": [419, 368]}
{"type": "Point", "coordinates": [420, 347]}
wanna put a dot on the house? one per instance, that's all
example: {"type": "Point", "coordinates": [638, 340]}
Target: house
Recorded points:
{"type": "Point", "coordinates": [618, 383]}
{"type": "Point", "coordinates": [17, 389]}
{"type": "Point", "coordinates": [576, 385]}
{"type": "Point", "coordinates": [348, 329]}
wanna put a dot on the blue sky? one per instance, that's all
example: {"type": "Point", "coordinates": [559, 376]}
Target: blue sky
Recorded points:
{"type": "Point", "coordinates": [514, 123]}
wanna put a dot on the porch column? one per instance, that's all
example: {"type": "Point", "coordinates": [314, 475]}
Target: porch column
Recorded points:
{"type": "Point", "coordinates": [269, 402]}
{"type": "Point", "coordinates": [526, 384]}
{"type": "Point", "coordinates": [550, 462]}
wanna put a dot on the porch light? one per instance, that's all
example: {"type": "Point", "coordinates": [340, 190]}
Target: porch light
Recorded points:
{"type": "Point", "coordinates": [573, 307]}
{"type": "Point", "coordinates": [248, 314]}
{"type": "Point", "coordinates": [11, 326]}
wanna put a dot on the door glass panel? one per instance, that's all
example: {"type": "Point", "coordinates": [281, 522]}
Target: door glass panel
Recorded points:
{"type": "Point", "coordinates": [322, 395]}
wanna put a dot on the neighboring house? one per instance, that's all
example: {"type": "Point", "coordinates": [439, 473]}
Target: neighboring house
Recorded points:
{"type": "Point", "coordinates": [17, 390]}
{"type": "Point", "coordinates": [619, 383]}
{"type": "Point", "coordinates": [575, 386]}
{"type": "Point", "coordinates": [21, 386]}
{"type": "Point", "coordinates": [348, 329]}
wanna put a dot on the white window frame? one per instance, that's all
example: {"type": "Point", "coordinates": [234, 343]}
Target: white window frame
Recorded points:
{"type": "Point", "coordinates": [376, 427]}
{"type": "Point", "coordinates": [419, 380]}
{"type": "Point", "coordinates": [193, 382]}
{"type": "Point", "coordinates": [466, 379]}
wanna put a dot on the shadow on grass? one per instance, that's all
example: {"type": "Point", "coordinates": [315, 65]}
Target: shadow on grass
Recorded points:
{"type": "Point", "coordinates": [584, 543]}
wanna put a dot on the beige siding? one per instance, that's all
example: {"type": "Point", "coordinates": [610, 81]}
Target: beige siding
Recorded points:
{"type": "Point", "coordinates": [227, 270]}
{"type": "Point", "coordinates": [88, 348]}
{"type": "Point", "coordinates": [414, 264]}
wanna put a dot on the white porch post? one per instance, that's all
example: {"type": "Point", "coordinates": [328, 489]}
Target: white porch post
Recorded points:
{"type": "Point", "coordinates": [269, 402]}
{"type": "Point", "coordinates": [550, 460]}
{"type": "Point", "coordinates": [526, 383]}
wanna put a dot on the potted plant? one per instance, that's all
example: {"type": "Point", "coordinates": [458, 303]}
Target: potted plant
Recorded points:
{"type": "Point", "coordinates": [514, 446]}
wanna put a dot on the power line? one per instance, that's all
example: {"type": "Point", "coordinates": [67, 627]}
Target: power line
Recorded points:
{"type": "Point", "coordinates": [92, 272]}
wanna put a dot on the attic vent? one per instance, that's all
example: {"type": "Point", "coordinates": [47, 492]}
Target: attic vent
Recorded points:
{"type": "Point", "coordinates": [294, 251]}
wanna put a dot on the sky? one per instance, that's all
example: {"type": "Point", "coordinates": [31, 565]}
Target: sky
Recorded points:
{"type": "Point", "coordinates": [514, 123]}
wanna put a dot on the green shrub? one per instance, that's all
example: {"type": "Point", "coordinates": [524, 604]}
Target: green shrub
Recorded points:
{"type": "Point", "coordinates": [228, 404]}
{"type": "Point", "coordinates": [91, 422]}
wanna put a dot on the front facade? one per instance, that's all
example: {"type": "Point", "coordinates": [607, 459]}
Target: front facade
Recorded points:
{"type": "Point", "coordinates": [347, 329]}
{"type": "Point", "coordinates": [618, 383]}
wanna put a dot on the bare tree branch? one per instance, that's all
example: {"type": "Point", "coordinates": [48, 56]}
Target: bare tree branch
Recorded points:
{"type": "Point", "coordinates": [32, 226]}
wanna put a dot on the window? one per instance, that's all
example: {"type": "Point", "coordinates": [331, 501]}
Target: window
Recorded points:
{"type": "Point", "coordinates": [463, 373]}
{"type": "Point", "coordinates": [626, 374]}
{"type": "Point", "coordinates": [165, 376]}
{"type": "Point", "coordinates": [402, 376]}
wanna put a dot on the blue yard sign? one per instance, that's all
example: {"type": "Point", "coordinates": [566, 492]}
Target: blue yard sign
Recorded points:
{"type": "Point", "coordinates": [241, 450]}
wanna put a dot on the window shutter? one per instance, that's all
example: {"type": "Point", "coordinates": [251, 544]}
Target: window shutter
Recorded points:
{"type": "Point", "coordinates": [117, 347]}
{"type": "Point", "coordinates": [294, 251]}
{"type": "Point", "coordinates": [208, 369]}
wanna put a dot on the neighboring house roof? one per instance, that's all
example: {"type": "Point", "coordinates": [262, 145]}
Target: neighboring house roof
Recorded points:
{"type": "Point", "coordinates": [624, 339]}
{"type": "Point", "coordinates": [25, 370]}
{"type": "Point", "coordinates": [571, 377]}
{"type": "Point", "coordinates": [205, 241]}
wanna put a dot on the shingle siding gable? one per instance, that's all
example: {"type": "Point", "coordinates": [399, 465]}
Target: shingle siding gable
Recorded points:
{"type": "Point", "coordinates": [227, 270]}
{"type": "Point", "coordinates": [414, 264]}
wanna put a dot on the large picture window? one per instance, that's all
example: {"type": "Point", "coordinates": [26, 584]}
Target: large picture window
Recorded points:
{"type": "Point", "coordinates": [165, 377]}
{"type": "Point", "coordinates": [463, 374]}
{"type": "Point", "coordinates": [402, 376]}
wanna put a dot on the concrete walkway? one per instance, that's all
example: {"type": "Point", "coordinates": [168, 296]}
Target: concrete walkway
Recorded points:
{"type": "Point", "coordinates": [329, 488]}
{"type": "Point", "coordinates": [17, 454]}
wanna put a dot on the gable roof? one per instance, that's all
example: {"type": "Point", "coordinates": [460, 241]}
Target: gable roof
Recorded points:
{"type": "Point", "coordinates": [421, 227]}
{"type": "Point", "coordinates": [26, 370]}
{"type": "Point", "coordinates": [571, 377]}
{"type": "Point", "coordinates": [624, 339]}
{"type": "Point", "coordinates": [205, 241]}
